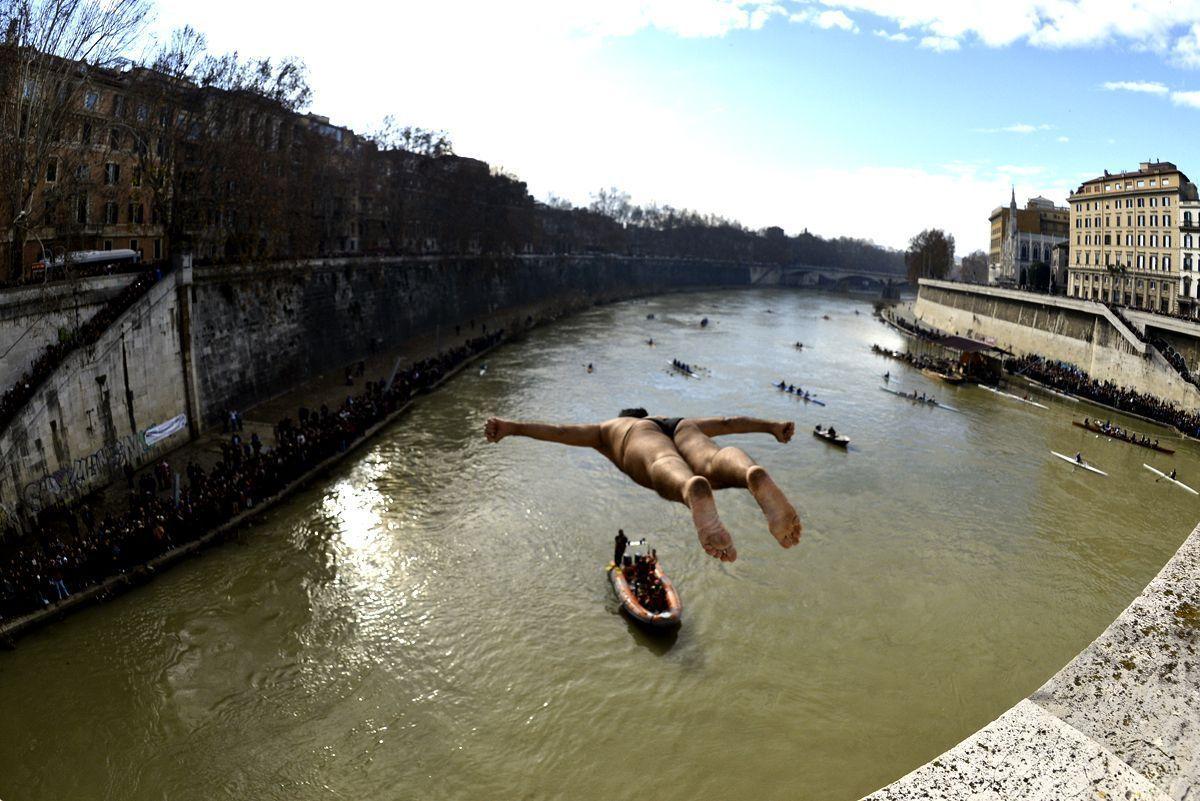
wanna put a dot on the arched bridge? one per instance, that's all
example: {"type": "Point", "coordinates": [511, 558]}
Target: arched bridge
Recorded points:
{"type": "Point", "coordinates": [828, 277]}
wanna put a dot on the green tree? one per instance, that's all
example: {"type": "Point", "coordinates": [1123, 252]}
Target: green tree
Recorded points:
{"type": "Point", "coordinates": [930, 255]}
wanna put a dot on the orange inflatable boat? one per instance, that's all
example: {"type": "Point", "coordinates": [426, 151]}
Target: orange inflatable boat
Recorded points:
{"type": "Point", "coordinates": [670, 618]}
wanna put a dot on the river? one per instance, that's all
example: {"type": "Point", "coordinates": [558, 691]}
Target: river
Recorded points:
{"type": "Point", "coordinates": [432, 621]}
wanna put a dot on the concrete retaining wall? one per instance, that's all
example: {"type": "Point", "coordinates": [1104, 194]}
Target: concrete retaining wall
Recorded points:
{"type": "Point", "coordinates": [1120, 721]}
{"type": "Point", "coordinates": [88, 418]}
{"type": "Point", "coordinates": [30, 318]}
{"type": "Point", "coordinates": [1080, 332]}
{"type": "Point", "coordinates": [259, 331]}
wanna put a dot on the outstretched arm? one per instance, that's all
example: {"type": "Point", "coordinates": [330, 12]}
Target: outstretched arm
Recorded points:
{"type": "Point", "coordinates": [782, 430]}
{"type": "Point", "coordinates": [581, 436]}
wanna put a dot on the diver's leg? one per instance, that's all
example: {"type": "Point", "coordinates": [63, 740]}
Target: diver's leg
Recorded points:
{"type": "Point", "coordinates": [731, 467]}
{"type": "Point", "coordinates": [651, 460]}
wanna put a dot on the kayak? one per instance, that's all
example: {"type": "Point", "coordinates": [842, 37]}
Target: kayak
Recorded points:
{"type": "Point", "coordinates": [688, 373]}
{"type": "Point", "coordinates": [1084, 465]}
{"type": "Point", "coordinates": [1161, 474]}
{"type": "Point", "coordinates": [669, 619]}
{"type": "Point", "coordinates": [798, 396]}
{"type": "Point", "coordinates": [1010, 395]}
{"type": "Point", "coordinates": [839, 441]}
{"type": "Point", "coordinates": [1095, 429]}
{"type": "Point", "coordinates": [926, 402]}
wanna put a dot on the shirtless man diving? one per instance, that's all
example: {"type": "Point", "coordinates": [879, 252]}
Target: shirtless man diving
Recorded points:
{"type": "Point", "coordinates": [677, 458]}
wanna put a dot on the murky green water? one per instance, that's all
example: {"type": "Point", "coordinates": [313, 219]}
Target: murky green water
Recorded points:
{"type": "Point", "coordinates": [434, 622]}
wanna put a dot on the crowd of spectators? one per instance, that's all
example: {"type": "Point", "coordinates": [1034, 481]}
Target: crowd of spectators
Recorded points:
{"type": "Point", "coordinates": [163, 514]}
{"type": "Point", "coordinates": [1071, 379]}
{"type": "Point", "coordinates": [16, 396]}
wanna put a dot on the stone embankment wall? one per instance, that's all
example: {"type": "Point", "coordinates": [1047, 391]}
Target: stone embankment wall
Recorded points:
{"type": "Point", "coordinates": [208, 339]}
{"type": "Point", "coordinates": [259, 331]}
{"type": "Point", "coordinates": [30, 318]}
{"type": "Point", "coordinates": [88, 418]}
{"type": "Point", "coordinates": [1080, 332]}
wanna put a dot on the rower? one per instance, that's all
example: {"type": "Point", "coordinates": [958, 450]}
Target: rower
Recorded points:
{"type": "Point", "coordinates": [590, 368]}
{"type": "Point", "coordinates": [832, 432]}
{"type": "Point", "coordinates": [782, 385]}
{"type": "Point", "coordinates": [887, 376]}
{"type": "Point", "coordinates": [818, 428]}
{"type": "Point", "coordinates": [1078, 457]}
{"type": "Point", "coordinates": [791, 388]}
{"type": "Point", "coordinates": [1171, 475]}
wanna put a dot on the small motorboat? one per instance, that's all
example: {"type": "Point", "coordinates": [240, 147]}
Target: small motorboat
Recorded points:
{"type": "Point", "coordinates": [837, 440]}
{"type": "Point", "coordinates": [669, 618]}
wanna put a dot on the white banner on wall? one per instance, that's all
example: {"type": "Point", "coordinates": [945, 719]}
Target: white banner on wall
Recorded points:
{"type": "Point", "coordinates": [163, 430]}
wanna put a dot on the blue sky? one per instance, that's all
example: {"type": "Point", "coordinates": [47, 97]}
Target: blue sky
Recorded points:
{"type": "Point", "coordinates": [871, 118]}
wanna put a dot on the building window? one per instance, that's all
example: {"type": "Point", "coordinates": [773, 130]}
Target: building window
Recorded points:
{"type": "Point", "coordinates": [1141, 240]}
{"type": "Point", "coordinates": [108, 244]}
{"type": "Point", "coordinates": [1141, 262]}
{"type": "Point", "coordinates": [1153, 262]}
{"type": "Point", "coordinates": [110, 214]}
{"type": "Point", "coordinates": [1167, 263]}
{"type": "Point", "coordinates": [112, 173]}
{"type": "Point", "coordinates": [133, 245]}
{"type": "Point", "coordinates": [143, 113]}
{"type": "Point", "coordinates": [1166, 200]}
{"type": "Point", "coordinates": [118, 106]}
{"type": "Point", "coordinates": [114, 138]}
{"type": "Point", "coordinates": [51, 171]}
{"type": "Point", "coordinates": [157, 249]}
{"type": "Point", "coordinates": [1141, 183]}
{"type": "Point", "coordinates": [1166, 240]}
{"type": "Point", "coordinates": [1153, 240]}
{"type": "Point", "coordinates": [85, 133]}
{"type": "Point", "coordinates": [1141, 201]}
{"type": "Point", "coordinates": [81, 209]}
{"type": "Point", "coordinates": [1153, 201]}
{"type": "Point", "coordinates": [90, 100]}
{"type": "Point", "coordinates": [137, 176]}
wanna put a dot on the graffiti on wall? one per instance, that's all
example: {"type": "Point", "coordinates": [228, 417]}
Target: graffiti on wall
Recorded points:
{"type": "Point", "coordinates": [71, 480]}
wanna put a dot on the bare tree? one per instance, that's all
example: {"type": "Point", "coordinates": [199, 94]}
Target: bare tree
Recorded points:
{"type": "Point", "coordinates": [49, 50]}
{"type": "Point", "coordinates": [391, 135]}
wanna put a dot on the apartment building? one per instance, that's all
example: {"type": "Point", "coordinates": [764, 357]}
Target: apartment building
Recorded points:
{"type": "Point", "coordinates": [1125, 245]}
{"type": "Point", "coordinates": [1189, 248]}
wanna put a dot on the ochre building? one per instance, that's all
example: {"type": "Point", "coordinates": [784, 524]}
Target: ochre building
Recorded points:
{"type": "Point", "coordinates": [1124, 245]}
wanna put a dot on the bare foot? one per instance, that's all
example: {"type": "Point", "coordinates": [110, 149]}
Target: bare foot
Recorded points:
{"type": "Point", "coordinates": [781, 515]}
{"type": "Point", "coordinates": [715, 540]}
{"type": "Point", "coordinates": [495, 429]}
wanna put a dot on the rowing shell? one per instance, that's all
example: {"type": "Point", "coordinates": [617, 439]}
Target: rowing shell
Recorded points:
{"type": "Point", "coordinates": [798, 396]}
{"type": "Point", "coordinates": [1084, 465]}
{"type": "Point", "coordinates": [927, 401]}
{"type": "Point", "coordinates": [688, 373]}
{"type": "Point", "coordinates": [1161, 474]}
{"type": "Point", "coordinates": [1010, 395]}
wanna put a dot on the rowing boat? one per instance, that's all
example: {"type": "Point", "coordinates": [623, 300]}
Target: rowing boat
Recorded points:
{"type": "Point", "coordinates": [688, 373]}
{"type": "Point", "coordinates": [1049, 389]}
{"type": "Point", "coordinates": [670, 618]}
{"type": "Point", "coordinates": [799, 396]}
{"type": "Point", "coordinates": [1095, 429]}
{"type": "Point", "coordinates": [1084, 465]}
{"type": "Point", "coordinates": [839, 441]}
{"type": "Point", "coordinates": [1161, 474]}
{"type": "Point", "coordinates": [926, 401]}
{"type": "Point", "coordinates": [1010, 395]}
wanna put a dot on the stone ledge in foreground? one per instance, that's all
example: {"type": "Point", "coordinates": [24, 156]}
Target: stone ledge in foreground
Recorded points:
{"type": "Point", "coordinates": [1120, 721]}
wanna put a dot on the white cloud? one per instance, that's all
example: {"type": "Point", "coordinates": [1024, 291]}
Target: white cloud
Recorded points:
{"type": "Point", "coordinates": [1063, 139]}
{"type": "Point", "coordinates": [939, 44]}
{"type": "Point", "coordinates": [1010, 169]}
{"type": "Point", "coordinates": [1016, 127]}
{"type": "Point", "coordinates": [1145, 87]}
{"type": "Point", "coordinates": [1170, 28]}
{"type": "Point", "coordinates": [898, 36]}
{"type": "Point", "coordinates": [1190, 99]}
{"type": "Point", "coordinates": [825, 19]}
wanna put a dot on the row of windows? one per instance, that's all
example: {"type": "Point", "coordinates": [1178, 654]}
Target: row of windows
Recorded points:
{"type": "Point", "coordinates": [1090, 222]}
{"type": "Point", "coordinates": [135, 212]}
{"type": "Point", "coordinates": [1086, 279]}
{"type": "Point", "coordinates": [1111, 239]}
{"type": "Point", "coordinates": [1129, 203]}
{"type": "Point", "coordinates": [1138, 261]}
{"type": "Point", "coordinates": [112, 173]}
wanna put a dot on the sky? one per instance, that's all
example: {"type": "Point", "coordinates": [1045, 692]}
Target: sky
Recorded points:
{"type": "Point", "coordinates": [865, 118]}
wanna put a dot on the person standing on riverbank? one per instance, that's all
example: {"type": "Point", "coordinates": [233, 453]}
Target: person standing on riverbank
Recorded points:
{"type": "Point", "coordinates": [677, 458]}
